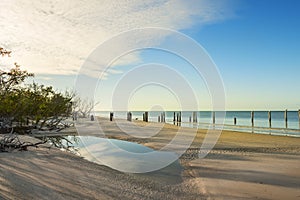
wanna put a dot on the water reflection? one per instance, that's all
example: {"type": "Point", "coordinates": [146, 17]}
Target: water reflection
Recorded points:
{"type": "Point", "coordinates": [129, 157]}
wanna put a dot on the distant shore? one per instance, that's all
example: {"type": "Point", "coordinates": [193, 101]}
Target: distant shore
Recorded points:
{"type": "Point", "coordinates": [241, 165]}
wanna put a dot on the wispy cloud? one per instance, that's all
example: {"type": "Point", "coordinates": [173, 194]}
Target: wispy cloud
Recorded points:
{"type": "Point", "coordinates": [55, 37]}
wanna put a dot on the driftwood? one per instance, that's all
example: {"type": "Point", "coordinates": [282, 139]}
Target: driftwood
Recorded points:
{"type": "Point", "coordinates": [60, 142]}
{"type": "Point", "coordinates": [11, 142]}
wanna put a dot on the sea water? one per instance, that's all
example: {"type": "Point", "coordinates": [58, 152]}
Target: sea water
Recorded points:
{"type": "Point", "coordinates": [243, 118]}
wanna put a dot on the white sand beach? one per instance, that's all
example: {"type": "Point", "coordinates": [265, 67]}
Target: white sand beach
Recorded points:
{"type": "Point", "coordinates": [241, 166]}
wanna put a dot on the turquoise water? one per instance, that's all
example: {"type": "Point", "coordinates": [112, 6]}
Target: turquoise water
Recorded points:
{"type": "Point", "coordinates": [261, 122]}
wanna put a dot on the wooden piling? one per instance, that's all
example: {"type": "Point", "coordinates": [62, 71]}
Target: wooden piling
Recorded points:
{"type": "Point", "coordinates": [158, 118]}
{"type": "Point", "coordinates": [190, 119]}
{"type": "Point", "coordinates": [163, 118]}
{"type": "Point", "coordinates": [146, 116]}
{"type": "Point", "coordinates": [129, 116]}
{"type": "Point", "coordinates": [234, 121]}
{"type": "Point", "coordinates": [286, 119]}
{"type": "Point", "coordinates": [214, 117]}
{"type": "Point", "coordinates": [252, 118]}
{"type": "Point", "coordinates": [111, 116]}
{"type": "Point", "coordinates": [174, 118]}
{"type": "Point", "coordinates": [194, 117]}
{"type": "Point", "coordinates": [270, 118]}
{"type": "Point", "coordinates": [180, 117]}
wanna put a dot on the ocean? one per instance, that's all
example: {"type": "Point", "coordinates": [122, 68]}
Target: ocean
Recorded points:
{"type": "Point", "coordinates": [243, 120]}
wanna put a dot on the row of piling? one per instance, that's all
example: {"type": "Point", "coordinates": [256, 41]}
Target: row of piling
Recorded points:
{"type": "Point", "coordinates": [177, 118]}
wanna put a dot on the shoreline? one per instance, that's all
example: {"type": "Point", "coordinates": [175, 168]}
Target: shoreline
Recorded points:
{"type": "Point", "coordinates": [242, 165]}
{"type": "Point", "coordinates": [232, 141]}
{"type": "Point", "coordinates": [280, 131]}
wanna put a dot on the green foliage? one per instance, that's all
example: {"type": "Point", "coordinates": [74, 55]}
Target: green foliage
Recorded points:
{"type": "Point", "coordinates": [11, 80]}
{"type": "Point", "coordinates": [31, 106]}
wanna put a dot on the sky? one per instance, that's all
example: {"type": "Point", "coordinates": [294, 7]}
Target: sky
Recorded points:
{"type": "Point", "coordinates": [254, 45]}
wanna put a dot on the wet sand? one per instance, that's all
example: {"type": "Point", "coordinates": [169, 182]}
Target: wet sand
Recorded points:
{"type": "Point", "coordinates": [241, 166]}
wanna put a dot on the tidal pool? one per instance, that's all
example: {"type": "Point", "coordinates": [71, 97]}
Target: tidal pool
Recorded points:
{"type": "Point", "coordinates": [129, 157]}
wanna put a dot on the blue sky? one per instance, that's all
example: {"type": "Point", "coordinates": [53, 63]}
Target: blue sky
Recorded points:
{"type": "Point", "coordinates": [254, 43]}
{"type": "Point", "coordinates": [257, 53]}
